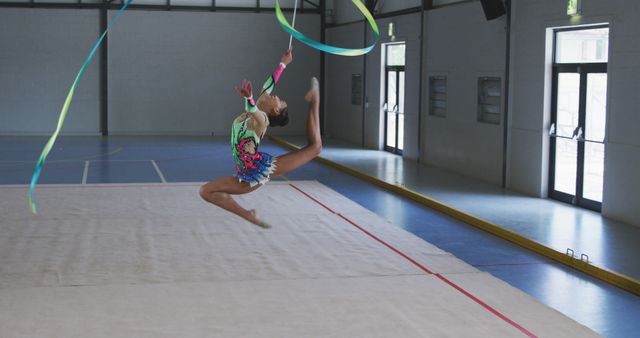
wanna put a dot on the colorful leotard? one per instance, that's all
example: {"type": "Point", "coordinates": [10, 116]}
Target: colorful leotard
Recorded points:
{"type": "Point", "coordinates": [253, 166]}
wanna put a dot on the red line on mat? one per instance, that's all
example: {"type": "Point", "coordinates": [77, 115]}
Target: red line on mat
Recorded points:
{"type": "Point", "coordinates": [486, 306]}
{"type": "Point", "coordinates": [444, 279]}
{"type": "Point", "coordinates": [420, 266]}
{"type": "Point", "coordinates": [388, 246]}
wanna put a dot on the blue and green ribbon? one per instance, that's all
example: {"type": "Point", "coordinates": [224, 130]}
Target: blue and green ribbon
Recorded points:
{"type": "Point", "coordinates": [65, 110]}
{"type": "Point", "coordinates": [281, 19]}
{"type": "Point", "coordinates": [327, 48]}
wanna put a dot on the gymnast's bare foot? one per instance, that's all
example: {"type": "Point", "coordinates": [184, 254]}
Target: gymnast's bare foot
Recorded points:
{"type": "Point", "coordinates": [313, 95]}
{"type": "Point", "coordinates": [253, 218]}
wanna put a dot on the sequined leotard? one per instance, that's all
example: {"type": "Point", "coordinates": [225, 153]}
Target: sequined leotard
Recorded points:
{"type": "Point", "coordinates": [253, 166]}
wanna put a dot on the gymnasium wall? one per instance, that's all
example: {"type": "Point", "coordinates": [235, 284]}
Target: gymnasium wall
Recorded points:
{"type": "Point", "coordinates": [530, 101]}
{"type": "Point", "coordinates": [463, 46]}
{"type": "Point", "coordinates": [175, 72]}
{"type": "Point", "coordinates": [407, 29]}
{"type": "Point", "coordinates": [170, 72]}
{"type": "Point", "coordinates": [387, 6]}
{"type": "Point", "coordinates": [41, 52]}
{"type": "Point", "coordinates": [345, 11]}
{"type": "Point", "coordinates": [343, 120]}
{"type": "Point", "coordinates": [460, 44]}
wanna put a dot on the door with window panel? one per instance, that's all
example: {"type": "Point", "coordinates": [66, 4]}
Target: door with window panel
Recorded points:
{"type": "Point", "coordinates": [394, 80]}
{"type": "Point", "coordinates": [579, 117]}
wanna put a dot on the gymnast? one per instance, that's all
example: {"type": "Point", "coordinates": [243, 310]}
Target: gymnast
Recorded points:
{"type": "Point", "coordinates": [255, 168]}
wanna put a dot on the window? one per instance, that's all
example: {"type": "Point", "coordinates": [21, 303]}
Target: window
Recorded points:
{"type": "Point", "coordinates": [356, 89]}
{"type": "Point", "coordinates": [395, 54]}
{"type": "Point", "coordinates": [489, 98]}
{"type": "Point", "coordinates": [438, 96]}
{"type": "Point", "coordinates": [582, 46]}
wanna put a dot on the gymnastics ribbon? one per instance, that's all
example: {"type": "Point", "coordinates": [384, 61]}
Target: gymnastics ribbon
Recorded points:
{"type": "Point", "coordinates": [65, 109]}
{"type": "Point", "coordinates": [327, 48]}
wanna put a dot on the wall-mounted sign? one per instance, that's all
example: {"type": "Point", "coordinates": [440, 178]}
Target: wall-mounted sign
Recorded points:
{"type": "Point", "coordinates": [391, 31]}
{"type": "Point", "coordinates": [574, 7]}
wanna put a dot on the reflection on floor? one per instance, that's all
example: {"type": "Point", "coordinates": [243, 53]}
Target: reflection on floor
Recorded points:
{"type": "Point", "coordinates": [605, 309]}
{"type": "Point", "coordinates": [608, 243]}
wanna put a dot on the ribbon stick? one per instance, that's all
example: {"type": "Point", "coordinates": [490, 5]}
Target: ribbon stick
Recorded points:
{"type": "Point", "coordinates": [295, 9]}
{"type": "Point", "coordinates": [65, 109]}
{"type": "Point", "coordinates": [327, 48]}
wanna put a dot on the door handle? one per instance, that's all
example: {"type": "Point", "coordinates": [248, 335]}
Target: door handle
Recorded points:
{"type": "Point", "coordinates": [577, 134]}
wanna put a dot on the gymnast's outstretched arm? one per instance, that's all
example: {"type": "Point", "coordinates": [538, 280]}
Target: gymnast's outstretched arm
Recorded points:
{"type": "Point", "coordinates": [273, 79]}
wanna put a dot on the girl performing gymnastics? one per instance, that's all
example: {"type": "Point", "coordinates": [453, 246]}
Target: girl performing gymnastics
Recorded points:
{"type": "Point", "coordinates": [254, 168]}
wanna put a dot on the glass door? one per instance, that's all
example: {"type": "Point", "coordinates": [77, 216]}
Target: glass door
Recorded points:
{"type": "Point", "coordinates": [593, 139]}
{"type": "Point", "coordinates": [579, 117]}
{"type": "Point", "coordinates": [394, 77]}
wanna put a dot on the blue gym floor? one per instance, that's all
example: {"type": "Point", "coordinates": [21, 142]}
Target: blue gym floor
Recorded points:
{"type": "Point", "coordinates": [607, 310]}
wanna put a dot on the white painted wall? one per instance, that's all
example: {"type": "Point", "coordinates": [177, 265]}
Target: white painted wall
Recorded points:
{"type": "Point", "coordinates": [458, 143]}
{"type": "Point", "coordinates": [462, 45]}
{"type": "Point", "coordinates": [407, 30]}
{"type": "Point", "coordinates": [175, 72]}
{"type": "Point", "coordinates": [530, 108]}
{"type": "Point", "coordinates": [41, 52]}
{"type": "Point", "coordinates": [344, 11]}
{"type": "Point", "coordinates": [343, 120]}
{"type": "Point", "coordinates": [386, 6]}
{"type": "Point", "coordinates": [169, 72]}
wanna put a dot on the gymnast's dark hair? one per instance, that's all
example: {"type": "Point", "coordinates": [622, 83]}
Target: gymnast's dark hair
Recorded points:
{"type": "Point", "coordinates": [281, 119]}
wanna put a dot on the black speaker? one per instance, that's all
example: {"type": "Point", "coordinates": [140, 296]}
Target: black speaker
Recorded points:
{"type": "Point", "coordinates": [493, 8]}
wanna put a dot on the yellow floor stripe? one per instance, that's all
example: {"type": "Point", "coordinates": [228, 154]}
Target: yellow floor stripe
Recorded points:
{"type": "Point", "coordinates": [624, 282]}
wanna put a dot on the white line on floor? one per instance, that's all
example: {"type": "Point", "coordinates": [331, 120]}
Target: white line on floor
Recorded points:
{"type": "Point", "coordinates": [159, 172]}
{"type": "Point", "coordinates": [86, 172]}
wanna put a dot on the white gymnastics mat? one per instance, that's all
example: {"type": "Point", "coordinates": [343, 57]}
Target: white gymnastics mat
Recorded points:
{"type": "Point", "coordinates": [154, 260]}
